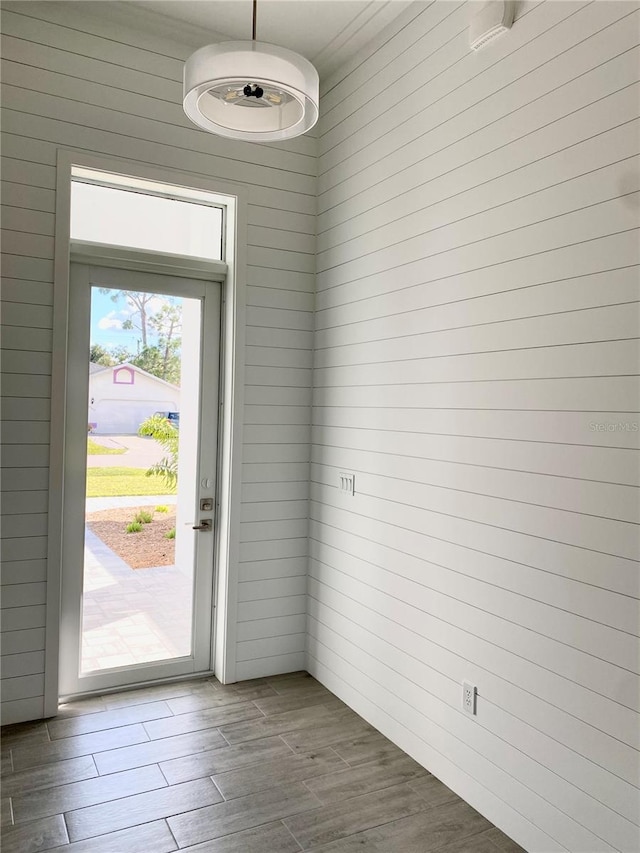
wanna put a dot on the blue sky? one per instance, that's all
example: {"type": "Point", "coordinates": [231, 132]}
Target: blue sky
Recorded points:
{"type": "Point", "coordinates": [107, 318]}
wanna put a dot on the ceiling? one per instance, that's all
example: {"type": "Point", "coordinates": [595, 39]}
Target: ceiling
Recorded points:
{"type": "Point", "coordinates": [327, 32]}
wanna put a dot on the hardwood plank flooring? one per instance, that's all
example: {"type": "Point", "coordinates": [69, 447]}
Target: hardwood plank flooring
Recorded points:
{"type": "Point", "coordinates": [341, 786]}
{"type": "Point", "coordinates": [91, 792]}
{"type": "Point", "coordinates": [187, 798]}
{"type": "Point", "coordinates": [108, 720]}
{"type": "Point", "coordinates": [340, 820]}
{"type": "Point", "coordinates": [25, 734]}
{"type": "Point", "coordinates": [5, 762]}
{"type": "Point", "coordinates": [40, 835]}
{"type": "Point", "coordinates": [73, 747]}
{"type": "Point", "coordinates": [158, 750]}
{"type": "Point", "coordinates": [274, 765]}
{"type": "Point", "coordinates": [6, 812]}
{"type": "Point", "coordinates": [424, 831]}
{"type": "Point", "coordinates": [48, 775]}
{"type": "Point", "coordinates": [287, 768]}
{"type": "Point", "coordinates": [242, 813]}
{"type": "Point", "coordinates": [219, 760]}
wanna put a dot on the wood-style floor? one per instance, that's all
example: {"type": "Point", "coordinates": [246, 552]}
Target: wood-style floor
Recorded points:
{"type": "Point", "coordinates": [276, 765]}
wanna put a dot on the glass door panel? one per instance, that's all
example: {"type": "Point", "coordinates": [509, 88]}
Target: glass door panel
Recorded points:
{"type": "Point", "coordinates": [141, 450]}
{"type": "Point", "coordinates": [137, 599]}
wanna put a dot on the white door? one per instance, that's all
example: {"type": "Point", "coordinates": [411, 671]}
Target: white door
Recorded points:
{"type": "Point", "coordinates": [138, 548]}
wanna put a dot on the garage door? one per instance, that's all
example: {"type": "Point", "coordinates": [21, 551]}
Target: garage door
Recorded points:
{"type": "Point", "coordinates": [123, 417]}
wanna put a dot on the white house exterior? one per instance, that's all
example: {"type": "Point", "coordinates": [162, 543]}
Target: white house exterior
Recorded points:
{"type": "Point", "coordinates": [121, 397]}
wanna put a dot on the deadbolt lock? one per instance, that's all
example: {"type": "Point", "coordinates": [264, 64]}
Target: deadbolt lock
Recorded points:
{"type": "Point", "coordinates": [206, 504]}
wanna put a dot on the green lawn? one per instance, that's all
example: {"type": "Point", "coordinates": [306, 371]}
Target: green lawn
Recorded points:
{"type": "Point", "coordinates": [115, 482]}
{"type": "Point", "coordinates": [95, 449]}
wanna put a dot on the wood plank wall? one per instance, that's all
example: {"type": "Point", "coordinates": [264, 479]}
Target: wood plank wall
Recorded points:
{"type": "Point", "coordinates": [476, 361]}
{"type": "Point", "coordinates": [74, 80]}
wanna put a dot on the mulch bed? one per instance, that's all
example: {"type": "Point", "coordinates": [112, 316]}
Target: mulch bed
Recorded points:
{"type": "Point", "coordinates": [140, 550]}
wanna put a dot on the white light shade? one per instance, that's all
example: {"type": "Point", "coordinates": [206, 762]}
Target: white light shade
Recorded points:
{"type": "Point", "coordinates": [214, 80]}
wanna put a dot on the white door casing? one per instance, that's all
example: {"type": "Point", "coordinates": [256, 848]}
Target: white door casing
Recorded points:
{"type": "Point", "coordinates": [232, 274]}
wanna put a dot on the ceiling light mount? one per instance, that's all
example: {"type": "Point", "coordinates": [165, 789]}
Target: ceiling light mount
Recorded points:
{"type": "Point", "coordinates": [251, 90]}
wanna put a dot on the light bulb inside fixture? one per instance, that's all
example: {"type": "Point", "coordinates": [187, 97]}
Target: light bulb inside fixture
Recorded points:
{"type": "Point", "coordinates": [237, 95]}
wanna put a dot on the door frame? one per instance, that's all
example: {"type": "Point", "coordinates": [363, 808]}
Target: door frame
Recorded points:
{"type": "Point", "coordinates": [121, 274]}
{"type": "Point", "coordinates": [233, 307]}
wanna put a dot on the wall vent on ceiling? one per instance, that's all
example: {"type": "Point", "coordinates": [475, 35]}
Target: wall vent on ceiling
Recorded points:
{"type": "Point", "coordinates": [491, 19]}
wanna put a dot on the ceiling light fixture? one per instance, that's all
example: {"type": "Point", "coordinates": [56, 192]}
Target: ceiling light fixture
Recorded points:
{"type": "Point", "coordinates": [251, 90]}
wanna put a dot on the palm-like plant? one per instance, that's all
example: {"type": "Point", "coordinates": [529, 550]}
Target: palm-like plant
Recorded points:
{"type": "Point", "coordinates": [158, 427]}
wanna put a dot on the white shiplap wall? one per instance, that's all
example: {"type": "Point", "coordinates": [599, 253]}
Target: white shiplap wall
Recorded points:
{"type": "Point", "coordinates": [75, 80]}
{"type": "Point", "coordinates": [476, 313]}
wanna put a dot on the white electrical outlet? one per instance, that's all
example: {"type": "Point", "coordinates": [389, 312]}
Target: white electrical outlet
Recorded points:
{"type": "Point", "coordinates": [347, 483]}
{"type": "Point", "coordinates": [469, 693]}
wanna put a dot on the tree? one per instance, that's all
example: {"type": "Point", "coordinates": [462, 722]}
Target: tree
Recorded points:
{"type": "Point", "coordinates": [152, 359]}
{"type": "Point", "coordinates": [160, 332]}
{"type": "Point", "coordinates": [139, 301]}
{"type": "Point", "coordinates": [149, 359]}
{"type": "Point", "coordinates": [100, 355]}
{"type": "Point", "coordinates": [120, 354]}
{"type": "Point", "coordinates": [158, 427]}
{"type": "Point", "coordinates": [167, 323]}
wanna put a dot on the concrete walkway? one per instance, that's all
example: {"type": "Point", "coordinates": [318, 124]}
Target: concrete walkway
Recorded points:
{"type": "Point", "coordinates": [132, 616]}
{"type": "Point", "coordinates": [97, 504]}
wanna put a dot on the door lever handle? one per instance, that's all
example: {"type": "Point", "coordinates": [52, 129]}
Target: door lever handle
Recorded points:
{"type": "Point", "coordinates": [205, 524]}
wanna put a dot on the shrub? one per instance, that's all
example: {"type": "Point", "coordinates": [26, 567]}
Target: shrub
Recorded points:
{"type": "Point", "coordinates": [162, 508]}
{"type": "Point", "coordinates": [144, 517]}
{"type": "Point", "coordinates": [159, 428]}
{"type": "Point", "coordinates": [133, 527]}
{"type": "Point", "coordinates": [170, 534]}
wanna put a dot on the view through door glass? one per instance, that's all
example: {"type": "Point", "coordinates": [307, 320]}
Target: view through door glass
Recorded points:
{"type": "Point", "coordinates": [142, 475]}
